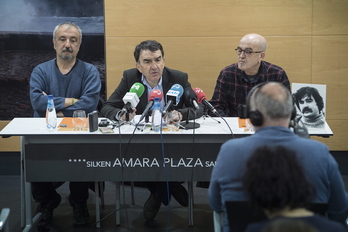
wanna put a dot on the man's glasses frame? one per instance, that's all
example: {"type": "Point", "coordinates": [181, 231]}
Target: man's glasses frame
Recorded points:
{"type": "Point", "coordinates": [247, 52]}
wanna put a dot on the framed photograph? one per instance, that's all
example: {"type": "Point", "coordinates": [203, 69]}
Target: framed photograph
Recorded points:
{"type": "Point", "coordinates": [310, 103]}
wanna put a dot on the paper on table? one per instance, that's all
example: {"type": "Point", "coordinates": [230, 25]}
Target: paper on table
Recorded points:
{"type": "Point", "coordinates": [67, 121]}
{"type": "Point", "coordinates": [246, 124]}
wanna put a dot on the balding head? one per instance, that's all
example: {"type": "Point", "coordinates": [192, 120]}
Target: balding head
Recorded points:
{"type": "Point", "coordinates": [258, 41]}
{"type": "Point", "coordinates": [274, 101]}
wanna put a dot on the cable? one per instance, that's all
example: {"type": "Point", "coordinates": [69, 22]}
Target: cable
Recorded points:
{"type": "Point", "coordinates": [228, 126]}
{"type": "Point", "coordinates": [166, 175]}
{"type": "Point", "coordinates": [118, 125]}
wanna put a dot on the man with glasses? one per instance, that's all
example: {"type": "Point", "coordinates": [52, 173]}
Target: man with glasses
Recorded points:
{"type": "Point", "coordinates": [236, 80]}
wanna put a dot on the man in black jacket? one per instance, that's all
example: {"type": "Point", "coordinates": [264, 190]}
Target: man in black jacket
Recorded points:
{"type": "Point", "coordinates": [151, 72]}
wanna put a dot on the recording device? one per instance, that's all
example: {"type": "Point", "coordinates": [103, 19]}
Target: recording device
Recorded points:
{"type": "Point", "coordinates": [202, 99]}
{"type": "Point", "coordinates": [103, 123]}
{"type": "Point", "coordinates": [173, 97]}
{"type": "Point", "coordinates": [242, 111]}
{"type": "Point", "coordinates": [108, 123]}
{"type": "Point", "coordinates": [154, 93]}
{"type": "Point", "coordinates": [93, 121]}
{"type": "Point", "coordinates": [300, 130]}
{"type": "Point", "coordinates": [191, 96]}
{"type": "Point", "coordinates": [131, 99]}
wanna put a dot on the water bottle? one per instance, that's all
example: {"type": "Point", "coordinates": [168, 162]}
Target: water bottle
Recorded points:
{"type": "Point", "coordinates": [51, 116]}
{"type": "Point", "coordinates": [156, 115]}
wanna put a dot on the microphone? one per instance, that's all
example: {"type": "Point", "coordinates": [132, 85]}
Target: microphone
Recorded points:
{"type": "Point", "coordinates": [191, 96]}
{"type": "Point", "coordinates": [202, 99]}
{"type": "Point", "coordinates": [131, 99]}
{"type": "Point", "coordinates": [154, 93]}
{"type": "Point", "coordinates": [173, 97]}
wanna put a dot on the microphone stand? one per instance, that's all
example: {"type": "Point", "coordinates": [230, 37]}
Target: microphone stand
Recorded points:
{"type": "Point", "coordinates": [127, 117]}
{"type": "Point", "coordinates": [190, 125]}
{"type": "Point", "coordinates": [146, 121]}
{"type": "Point", "coordinates": [206, 115]}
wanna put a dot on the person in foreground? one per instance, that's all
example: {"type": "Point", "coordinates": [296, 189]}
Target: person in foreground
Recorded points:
{"type": "Point", "coordinates": [289, 225]}
{"type": "Point", "coordinates": [74, 85]}
{"type": "Point", "coordinates": [236, 80]}
{"type": "Point", "coordinates": [273, 104]}
{"type": "Point", "coordinates": [151, 72]}
{"type": "Point", "coordinates": [275, 181]}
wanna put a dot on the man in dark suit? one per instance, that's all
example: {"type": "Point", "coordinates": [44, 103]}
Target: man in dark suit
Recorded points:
{"type": "Point", "coordinates": [151, 72]}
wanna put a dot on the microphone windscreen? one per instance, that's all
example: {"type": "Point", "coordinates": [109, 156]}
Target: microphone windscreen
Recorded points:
{"type": "Point", "coordinates": [138, 89]}
{"type": "Point", "coordinates": [200, 95]}
{"type": "Point", "coordinates": [155, 93]}
{"type": "Point", "coordinates": [178, 88]}
{"type": "Point", "coordinates": [191, 97]}
{"type": "Point", "coordinates": [190, 94]}
{"type": "Point", "coordinates": [174, 94]}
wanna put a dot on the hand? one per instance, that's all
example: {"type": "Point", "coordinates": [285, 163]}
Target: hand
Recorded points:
{"type": "Point", "coordinates": [60, 114]}
{"type": "Point", "coordinates": [70, 101]}
{"type": "Point", "coordinates": [176, 116]}
{"type": "Point", "coordinates": [131, 115]}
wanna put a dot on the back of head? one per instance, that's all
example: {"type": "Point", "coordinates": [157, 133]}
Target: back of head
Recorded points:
{"type": "Point", "coordinates": [151, 45]}
{"type": "Point", "coordinates": [289, 225]}
{"type": "Point", "coordinates": [275, 180]}
{"type": "Point", "coordinates": [274, 101]}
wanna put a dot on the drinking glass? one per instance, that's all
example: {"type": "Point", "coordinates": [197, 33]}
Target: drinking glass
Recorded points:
{"type": "Point", "coordinates": [79, 120]}
{"type": "Point", "coordinates": [173, 125]}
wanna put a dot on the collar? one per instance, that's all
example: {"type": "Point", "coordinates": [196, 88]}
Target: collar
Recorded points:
{"type": "Point", "coordinates": [259, 77]}
{"type": "Point", "coordinates": [315, 122]}
{"type": "Point", "coordinates": [149, 88]}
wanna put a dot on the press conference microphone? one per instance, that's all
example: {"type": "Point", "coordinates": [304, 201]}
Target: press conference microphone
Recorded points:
{"type": "Point", "coordinates": [131, 99]}
{"type": "Point", "coordinates": [154, 93]}
{"type": "Point", "coordinates": [202, 99]}
{"type": "Point", "coordinates": [191, 96]}
{"type": "Point", "coordinates": [173, 97]}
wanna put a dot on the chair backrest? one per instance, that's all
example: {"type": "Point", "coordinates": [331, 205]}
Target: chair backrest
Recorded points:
{"type": "Point", "coordinates": [101, 103]}
{"type": "Point", "coordinates": [242, 213]}
{"type": "Point", "coordinates": [217, 217]}
{"type": "Point", "coordinates": [4, 220]}
{"type": "Point", "coordinates": [319, 208]}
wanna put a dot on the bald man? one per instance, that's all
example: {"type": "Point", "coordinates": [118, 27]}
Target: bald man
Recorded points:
{"type": "Point", "coordinates": [274, 103]}
{"type": "Point", "coordinates": [236, 80]}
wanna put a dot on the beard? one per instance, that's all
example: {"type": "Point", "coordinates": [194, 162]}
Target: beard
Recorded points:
{"type": "Point", "coordinates": [66, 57]}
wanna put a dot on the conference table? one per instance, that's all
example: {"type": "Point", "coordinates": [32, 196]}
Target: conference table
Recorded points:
{"type": "Point", "coordinates": [128, 154]}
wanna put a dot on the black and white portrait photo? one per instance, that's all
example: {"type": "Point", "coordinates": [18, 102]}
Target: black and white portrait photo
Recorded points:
{"type": "Point", "coordinates": [310, 102]}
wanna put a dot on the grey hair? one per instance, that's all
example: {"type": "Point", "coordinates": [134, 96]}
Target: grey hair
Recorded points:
{"type": "Point", "coordinates": [69, 24]}
{"type": "Point", "coordinates": [274, 106]}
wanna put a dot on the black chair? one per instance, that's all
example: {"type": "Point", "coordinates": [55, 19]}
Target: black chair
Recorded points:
{"type": "Point", "coordinates": [4, 220]}
{"type": "Point", "coordinates": [101, 103]}
{"type": "Point", "coordinates": [242, 213]}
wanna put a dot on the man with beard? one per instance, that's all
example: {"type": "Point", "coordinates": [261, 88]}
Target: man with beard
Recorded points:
{"type": "Point", "coordinates": [75, 85]}
{"type": "Point", "coordinates": [311, 105]}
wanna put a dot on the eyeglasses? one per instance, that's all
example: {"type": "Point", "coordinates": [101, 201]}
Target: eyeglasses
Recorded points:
{"type": "Point", "coordinates": [247, 52]}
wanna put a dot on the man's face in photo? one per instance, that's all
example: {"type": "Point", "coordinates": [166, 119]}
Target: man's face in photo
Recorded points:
{"type": "Point", "coordinates": [308, 107]}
